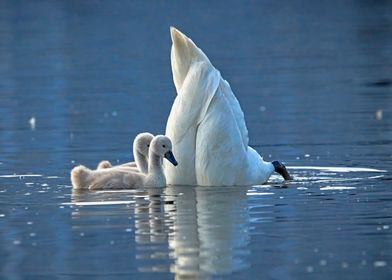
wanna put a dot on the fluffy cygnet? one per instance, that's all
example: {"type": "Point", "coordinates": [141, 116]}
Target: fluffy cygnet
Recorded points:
{"type": "Point", "coordinates": [115, 178]}
{"type": "Point", "coordinates": [141, 145]}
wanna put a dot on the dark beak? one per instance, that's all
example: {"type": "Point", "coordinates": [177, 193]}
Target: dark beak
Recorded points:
{"type": "Point", "coordinates": [170, 157]}
{"type": "Point", "coordinates": [281, 169]}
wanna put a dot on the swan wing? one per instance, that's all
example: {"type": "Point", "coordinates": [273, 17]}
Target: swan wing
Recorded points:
{"type": "Point", "coordinates": [206, 123]}
{"type": "Point", "coordinates": [221, 154]}
{"type": "Point", "coordinates": [188, 111]}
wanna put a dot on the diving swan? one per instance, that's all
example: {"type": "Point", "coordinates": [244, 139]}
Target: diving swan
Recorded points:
{"type": "Point", "coordinates": [207, 126]}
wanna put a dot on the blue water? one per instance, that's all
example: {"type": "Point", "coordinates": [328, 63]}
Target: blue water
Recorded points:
{"type": "Point", "coordinates": [78, 81]}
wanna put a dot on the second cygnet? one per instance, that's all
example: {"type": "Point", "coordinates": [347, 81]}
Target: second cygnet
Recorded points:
{"type": "Point", "coordinates": [141, 145]}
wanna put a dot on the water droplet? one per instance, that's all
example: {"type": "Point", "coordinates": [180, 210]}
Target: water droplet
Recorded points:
{"type": "Point", "coordinates": [309, 269]}
{"type": "Point", "coordinates": [379, 263]}
{"type": "Point", "coordinates": [16, 242]}
{"type": "Point", "coordinates": [32, 123]}
{"type": "Point", "coordinates": [323, 262]}
{"type": "Point", "coordinates": [379, 114]}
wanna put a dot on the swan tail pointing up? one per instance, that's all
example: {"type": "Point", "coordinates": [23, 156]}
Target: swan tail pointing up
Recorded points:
{"type": "Point", "coordinates": [206, 123]}
{"type": "Point", "coordinates": [183, 53]}
{"type": "Point", "coordinates": [80, 177]}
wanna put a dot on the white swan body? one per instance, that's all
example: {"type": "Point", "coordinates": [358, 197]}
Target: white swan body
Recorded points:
{"type": "Point", "coordinates": [207, 126]}
{"type": "Point", "coordinates": [141, 146]}
{"type": "Point", "coordinates": [115, 178]}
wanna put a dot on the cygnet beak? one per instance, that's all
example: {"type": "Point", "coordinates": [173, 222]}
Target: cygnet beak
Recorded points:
{"type": "Point", "coordinates": [170, 157]}
{"type": "Point", "coordinates": [281, 169]}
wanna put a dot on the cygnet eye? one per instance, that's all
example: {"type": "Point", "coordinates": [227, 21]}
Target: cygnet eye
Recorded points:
{"type": "Point", "coordinates": [148, 145]}
{"type": "Point", "coordinates": [164, 145]}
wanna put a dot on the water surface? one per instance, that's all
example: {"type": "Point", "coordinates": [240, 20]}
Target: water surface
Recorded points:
{"type": "Point", "coordinates": [78, 81]}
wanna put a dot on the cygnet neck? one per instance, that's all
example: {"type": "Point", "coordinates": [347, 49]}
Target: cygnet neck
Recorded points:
{"type": "Point", "coordinates": [155, 164]}
{"type": "Point", "coordinates": [141, 161]}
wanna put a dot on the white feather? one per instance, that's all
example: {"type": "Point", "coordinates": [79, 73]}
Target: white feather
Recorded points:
{"type": "Point", "coordinates": [207, 126]}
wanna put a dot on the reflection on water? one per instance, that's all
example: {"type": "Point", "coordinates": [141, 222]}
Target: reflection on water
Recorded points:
{"type": "Point", "coordinates": [273, 230]}
{"type": "Point", "coordinates": [217, 242]}
{"type": "Point", "coordinates": [204, 231]}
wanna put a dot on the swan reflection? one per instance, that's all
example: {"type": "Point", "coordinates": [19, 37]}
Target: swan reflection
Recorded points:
{"type": "Point", "coordinates": [190, 231]}
{"type": "Point", "coordinates": [210, 230]}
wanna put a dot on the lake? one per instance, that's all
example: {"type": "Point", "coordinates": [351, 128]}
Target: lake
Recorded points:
{"type": "Point", "coordinates": [80, 79]}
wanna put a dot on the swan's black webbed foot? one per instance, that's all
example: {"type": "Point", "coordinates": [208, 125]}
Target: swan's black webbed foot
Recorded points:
{"type": "Point", "coordinates": [281, 169]}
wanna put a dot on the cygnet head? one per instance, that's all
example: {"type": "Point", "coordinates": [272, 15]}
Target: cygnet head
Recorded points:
{"type": "Point", "coordinates": [162, 146]}
{"type": "Point", "coordinates": [142, 142]}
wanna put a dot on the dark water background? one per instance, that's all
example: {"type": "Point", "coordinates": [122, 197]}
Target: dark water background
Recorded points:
{"type": "Point", "coordinates": [314, 79]}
